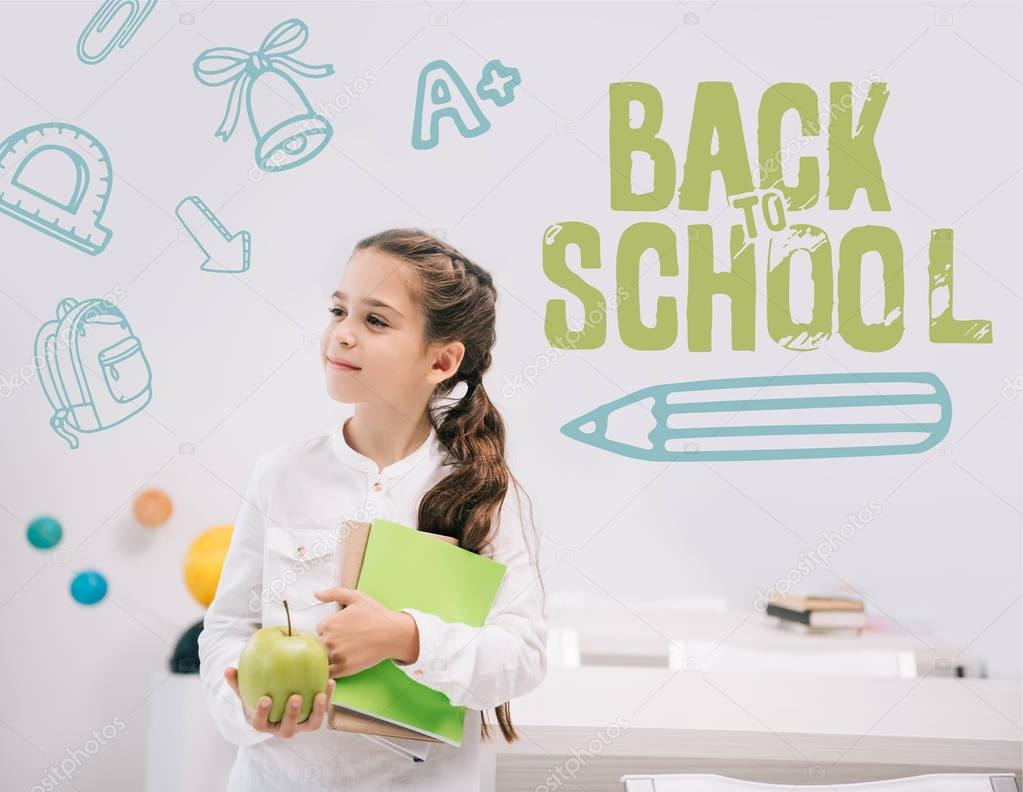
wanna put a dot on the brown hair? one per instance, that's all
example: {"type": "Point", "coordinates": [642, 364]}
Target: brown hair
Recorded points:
{"type": "Point", "coordinates": [458, 301]}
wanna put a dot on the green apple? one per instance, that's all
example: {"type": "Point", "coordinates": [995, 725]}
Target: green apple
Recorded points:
{"type": "Point", "coordinates": [278, 662]}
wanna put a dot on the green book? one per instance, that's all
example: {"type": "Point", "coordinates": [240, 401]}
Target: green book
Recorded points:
{"type": "Point", "coordinates": [403, 568]}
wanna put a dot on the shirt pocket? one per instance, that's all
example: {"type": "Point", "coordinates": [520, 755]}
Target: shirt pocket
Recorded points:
{"type": "Point", "coordinates": [297, 562]}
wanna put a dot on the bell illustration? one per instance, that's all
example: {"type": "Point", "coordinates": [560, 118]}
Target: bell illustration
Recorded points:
{"type": "Point", "coordinates": [283, 144]}
{"type": "Point", "coordinates": [259, 80]}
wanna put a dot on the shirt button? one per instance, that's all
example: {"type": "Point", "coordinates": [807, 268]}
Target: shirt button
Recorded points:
{"type": "Point", "coordinates": [300, 549]}
{"type": "Point", "coordinates": [377, 486]}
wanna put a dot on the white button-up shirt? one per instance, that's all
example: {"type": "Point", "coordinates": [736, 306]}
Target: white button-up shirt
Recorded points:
{"type": "Point", "coordinates": [287, 543]}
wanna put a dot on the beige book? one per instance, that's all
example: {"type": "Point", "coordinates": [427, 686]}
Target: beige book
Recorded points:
{"type": "Point", "coordinates": [820, 603]}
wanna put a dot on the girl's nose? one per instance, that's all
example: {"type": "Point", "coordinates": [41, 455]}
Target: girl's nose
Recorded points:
{"type": "Point", "coordinates": [343, 332]}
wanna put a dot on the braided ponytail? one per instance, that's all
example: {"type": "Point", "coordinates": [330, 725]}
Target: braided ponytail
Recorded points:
{"type": "Point", "coordinates": [458, 299]}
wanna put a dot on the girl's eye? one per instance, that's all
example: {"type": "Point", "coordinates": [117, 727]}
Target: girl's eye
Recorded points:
{"type": "Point", "coordinates": [372, 318]}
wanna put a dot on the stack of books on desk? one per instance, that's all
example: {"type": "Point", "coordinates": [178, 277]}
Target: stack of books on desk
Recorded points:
{"type": "Point", "coordinates": [819, 614]}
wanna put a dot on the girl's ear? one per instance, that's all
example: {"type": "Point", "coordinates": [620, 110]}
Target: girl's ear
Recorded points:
{"type": "Point", "coordinates": [447, 358]}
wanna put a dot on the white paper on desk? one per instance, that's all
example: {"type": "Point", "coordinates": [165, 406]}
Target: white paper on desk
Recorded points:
{"type": "Point", "coordinates": [415, 750]}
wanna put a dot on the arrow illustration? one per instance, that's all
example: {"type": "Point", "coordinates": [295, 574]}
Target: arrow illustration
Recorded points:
{"type": "Point", "coordinates": [225, 252]}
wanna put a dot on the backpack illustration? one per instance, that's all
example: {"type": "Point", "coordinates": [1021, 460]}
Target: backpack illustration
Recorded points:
{"type": "Point", "coordinates": [91, 367]}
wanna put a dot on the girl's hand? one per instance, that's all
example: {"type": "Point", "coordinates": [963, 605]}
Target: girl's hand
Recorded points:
{"type": "Point", "coordinates": [288, 727]}
{"type": "Point", "coordinates": [365, 633]}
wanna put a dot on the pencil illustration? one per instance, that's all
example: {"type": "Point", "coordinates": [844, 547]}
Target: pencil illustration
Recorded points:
{"type": "Point", "coordinates": [799, 416]}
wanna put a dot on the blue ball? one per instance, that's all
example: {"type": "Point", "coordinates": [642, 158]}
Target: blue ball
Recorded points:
{"type": "Point", "coordinates": [44, 532]}
{"type": "Point", "coordinates": [89, 587]}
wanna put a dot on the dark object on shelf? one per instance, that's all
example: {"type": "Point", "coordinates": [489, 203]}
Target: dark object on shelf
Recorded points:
{"type": "Point", "coordinates": [185, 659]}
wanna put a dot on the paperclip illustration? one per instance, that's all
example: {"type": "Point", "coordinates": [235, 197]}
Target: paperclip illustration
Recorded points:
{"type": "Point", "coordinates": [97, 40]}
{"type": "Point", "coordinates": [91, 368]}
{"type": "Point", "coordinates": [224, 251]}
{"type": "Point", "coordinates": [72, 218]}
{"type": "Point", "coordinates": [799, 416]}
{"type": "Point", "coordinates": [280, 143]}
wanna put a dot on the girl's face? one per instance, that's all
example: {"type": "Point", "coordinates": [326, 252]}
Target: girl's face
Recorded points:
{"type": "Point", "coordinates": [377, 328]}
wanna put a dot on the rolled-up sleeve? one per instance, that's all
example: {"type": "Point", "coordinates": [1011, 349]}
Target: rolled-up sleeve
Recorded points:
{"type": "Point", "coordinates": [483, 667]}
{"type": "Point", "coordinates": [234, 615]}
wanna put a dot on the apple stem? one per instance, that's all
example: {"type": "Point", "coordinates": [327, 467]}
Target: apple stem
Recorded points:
{"type": "Point", "coordinates": [287, 612]}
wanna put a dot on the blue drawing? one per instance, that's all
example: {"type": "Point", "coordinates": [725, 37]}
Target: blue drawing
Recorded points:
{"type": "Point", "coordinates": [91, 368]}
{"type": "Point", "coordinates": [448, 97]}
{"type": "Point", "coordinates": [68, 152]}
{"type": "Point", "coordinates": [441, 93]}
{"type": "Point", "coordinates": [801, 416]}
{"type": "Point", "coordinates": [225, 252]}
{"type": "Point", "coordinates": [498, 83]}
{"type": "Point", "coordinates": [281, 144]}
{"type": "Point", "coordinates": [96, 41]}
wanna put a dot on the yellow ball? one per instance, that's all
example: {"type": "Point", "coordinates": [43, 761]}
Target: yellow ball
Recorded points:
{"type": "Point", "coordinates": [204, 560]}
{"type": "Point", "coordinates": [153, 507]}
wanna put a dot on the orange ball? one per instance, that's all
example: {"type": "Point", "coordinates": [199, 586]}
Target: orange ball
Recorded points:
{"type": "Point", "coordinates": [153, 507]}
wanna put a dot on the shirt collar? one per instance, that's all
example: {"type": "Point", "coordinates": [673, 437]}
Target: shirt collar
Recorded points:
{"type": "Point", "coordinates": [354, 459]}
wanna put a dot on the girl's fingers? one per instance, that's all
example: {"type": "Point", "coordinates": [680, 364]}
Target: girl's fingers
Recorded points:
{"type": "Point", "coordinates": [320, 707]}
{"type": "Point", "coordinates": [290, 720]}
{"type": "Point", "coordinates": [259, 718]}
{"type": "Point", "coordinates": [328, 697]}
{"type": "Point", "coordinates": [312, 723]}
{"type": "Point", "coordinates": [289, 724]}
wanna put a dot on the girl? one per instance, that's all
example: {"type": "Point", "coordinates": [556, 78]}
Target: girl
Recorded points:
{"type": "Point", "coordinates": [411, 319]}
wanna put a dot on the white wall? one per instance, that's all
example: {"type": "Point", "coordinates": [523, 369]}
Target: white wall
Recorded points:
{"type": "Point", "coordinates": [234, 371]}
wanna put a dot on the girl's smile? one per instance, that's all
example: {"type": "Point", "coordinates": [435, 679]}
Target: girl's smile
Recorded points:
{"type": "Point", "coordinates": [341, 365]}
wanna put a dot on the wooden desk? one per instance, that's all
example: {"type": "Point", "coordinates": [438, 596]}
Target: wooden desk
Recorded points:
{"type": "Point", "coordinates": [776, 728]}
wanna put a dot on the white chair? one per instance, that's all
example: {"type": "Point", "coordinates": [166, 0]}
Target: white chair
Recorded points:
{"type": "Point", "coordinates": [703, 655]}
{"type": "Point", "coordinates": [936, 782]}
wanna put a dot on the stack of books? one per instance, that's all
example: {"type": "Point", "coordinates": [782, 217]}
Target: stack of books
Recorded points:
{"type": "Point", "coordinates": [821, 614]}
{"type": "Point", "coordinates": [401, 567]}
